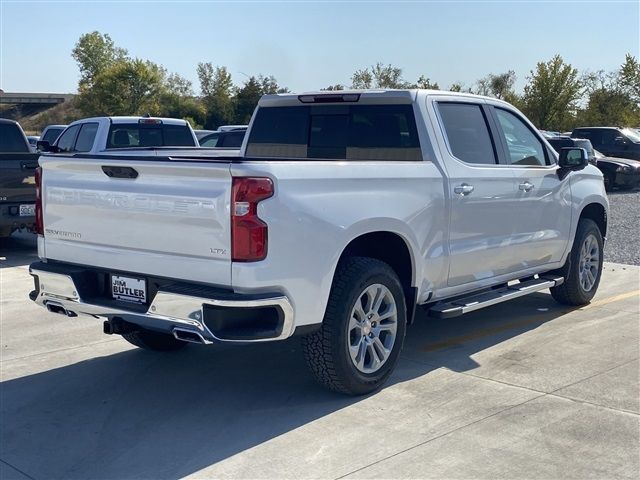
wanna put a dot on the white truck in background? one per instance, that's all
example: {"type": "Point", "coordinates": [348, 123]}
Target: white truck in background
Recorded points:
{"type": "Point", "coordinates": [126, 135]}
{"type": "Point", "coordinates": [343, 213]}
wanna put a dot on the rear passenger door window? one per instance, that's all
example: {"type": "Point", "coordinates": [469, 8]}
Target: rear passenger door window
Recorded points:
{"type": "Point", "coordinates": [523, 146]}
{"type": "Point", "coordinates": [68, 139]}
{"type": "Point", "coordinates": [467, 132]}
{"type": "Point", "coordinates": [87, 135]}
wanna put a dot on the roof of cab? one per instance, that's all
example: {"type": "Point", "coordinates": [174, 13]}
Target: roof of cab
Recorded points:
{"type": "Point", "coordinates": [165, 121]}
{"type": "Point", "coordinates": [369, 96]}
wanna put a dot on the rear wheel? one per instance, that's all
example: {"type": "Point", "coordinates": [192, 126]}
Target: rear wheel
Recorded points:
{"type": "Point", "coordinates": [583, 268]}
{"type": "Point", "coordinates": [363, 330]}
{"type": "Point", "coordinates": [156, 341]}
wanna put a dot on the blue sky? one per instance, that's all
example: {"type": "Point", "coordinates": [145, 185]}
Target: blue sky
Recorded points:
{"type": "Point", "coordinates": [309, 45]}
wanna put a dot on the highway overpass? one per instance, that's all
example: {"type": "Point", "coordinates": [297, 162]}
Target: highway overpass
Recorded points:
{"type": "Point", "coordinates": [32, 99]}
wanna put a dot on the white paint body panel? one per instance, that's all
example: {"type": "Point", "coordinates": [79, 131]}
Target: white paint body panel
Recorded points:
{"type": "Point", "coordinates": [169, 220]}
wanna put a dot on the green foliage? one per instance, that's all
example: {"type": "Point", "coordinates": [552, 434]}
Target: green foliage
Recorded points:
{"type": "Point", "coordinates": [554, 98]}
{"type": "Point", "coordinates": [550, 98]}
{"type": "Point", "coordinates": [128, 87]}
{"type": "Point", "coordinates": [628, 78]}
{"type": "Point", "coordinates": [426, 83]}
{"type": "Point", "coordinates": [217, 88]}
{"type": "Point", "coordinates": [94, 53]}
{"type": "Point", "coordinates": [498, 86]}
{"type": "Point", "coordinates": [336, 87]}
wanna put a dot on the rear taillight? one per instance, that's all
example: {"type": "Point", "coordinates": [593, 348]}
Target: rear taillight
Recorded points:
{"type": "Point", "coordinates": [248, 231]}
{"type": "Point", "coordinates": [39, 219]}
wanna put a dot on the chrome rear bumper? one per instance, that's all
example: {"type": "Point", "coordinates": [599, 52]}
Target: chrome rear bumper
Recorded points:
{"type": "Point", "coordinates": [167, 312]}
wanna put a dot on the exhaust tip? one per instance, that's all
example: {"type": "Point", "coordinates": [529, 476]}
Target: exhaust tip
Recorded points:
{"type": "Point", "coordinates": [188, 336]}
{"type": "Point", "coordinates": [57, 308]}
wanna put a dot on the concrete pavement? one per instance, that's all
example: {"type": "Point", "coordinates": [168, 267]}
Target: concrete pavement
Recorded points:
{"type": "Point", "coordinates": [527, 389]}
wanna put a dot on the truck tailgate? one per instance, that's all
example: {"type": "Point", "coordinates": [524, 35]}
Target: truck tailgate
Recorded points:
{"type": "Point", "coordinates": [17, 183]}
{"type": "Point", "coordinates": [171, 220]}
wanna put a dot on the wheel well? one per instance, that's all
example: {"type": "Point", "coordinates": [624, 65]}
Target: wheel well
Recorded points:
{"type": "Point", "coordinates": [596, 212]}
{"type": "Point", "coordinates": [393, 250]}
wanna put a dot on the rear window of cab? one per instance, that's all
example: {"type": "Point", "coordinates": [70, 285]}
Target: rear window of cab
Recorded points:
{"type": "Point", "coordinates": [335, 132]}
{"type": "Point", "coordinates": [125, 135]}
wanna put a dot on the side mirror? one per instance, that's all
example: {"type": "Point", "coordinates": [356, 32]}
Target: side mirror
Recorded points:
{"type": "Point", "coordinates": [44, 146]}
{"type": "Point", "coordinates": [620, 141]}
{"type": "Point", "coordinates": [573, 158]}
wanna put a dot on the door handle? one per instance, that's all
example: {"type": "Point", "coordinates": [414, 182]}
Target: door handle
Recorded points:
{"type": "Point", "coordinates": [526, 186]}
{"type": "Point", "coordinates": [464, 189]}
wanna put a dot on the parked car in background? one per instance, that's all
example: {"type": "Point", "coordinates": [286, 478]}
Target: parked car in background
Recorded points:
{"type": "Point", "coordinates": [549, 134]}
{"type": "Point", "coordinates": [202, 133]}
{"type": "Point", "coordinates": [17, 179]}
{"type": "Point", "coordinates": [228, 128]}
{"type": "Point", "coordinates": [612, 141]}
{"type": "Point", "coordinates": [33, 140]}
{"type": "Point", "coordinates": [345, 211]}
{"type": "Point", "coordinates": [224, 139]}
{"type": "Point", "coordinates": [620, 173]}
{"type": "Point", "coordinates": [51, 133]}
{"type": "Point", "coordinates": [106, 134]}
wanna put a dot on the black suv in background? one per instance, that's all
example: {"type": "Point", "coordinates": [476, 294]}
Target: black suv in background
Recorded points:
{"type": "Point", "coordinates": [611, 141]}
{"type": "Point", "coordinates": [618, 172]}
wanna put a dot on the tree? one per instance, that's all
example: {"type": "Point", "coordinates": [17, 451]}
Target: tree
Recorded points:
{"type": "Point", "coordinates": [551, 95]}
{"type": "Point", "coordinates": [613, 98]}
{"type": "Point", "coordinates": [497, 85]}
{"type": "Point", "coordinates": [246, 100]}
{"type": "Point", "coordinates": [247, 97]}
{"type": "Point", "coordinates": [628, 78]}
{"type": "Point", "coordinates": [216, 86]}
{"type": "Point", "coordinates": [95, 52]}
{"type": "Point", "coordinates": [129, 87]}
{"type": "Point", "coordinates": [336, 87]}
{"type": "Point", "coordinates": [426, 83]}
{"type": "Point", "coordinates": [361, 79]}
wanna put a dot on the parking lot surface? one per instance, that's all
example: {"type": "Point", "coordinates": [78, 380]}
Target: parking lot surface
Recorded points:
{"type": "Point", "coordinates": [526, 389]}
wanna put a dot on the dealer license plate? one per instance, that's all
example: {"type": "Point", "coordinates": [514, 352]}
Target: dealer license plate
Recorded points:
{"type": "Point", "coordinates": [27, 210]}
{"type": "Point", "coordinates": [129, 289]}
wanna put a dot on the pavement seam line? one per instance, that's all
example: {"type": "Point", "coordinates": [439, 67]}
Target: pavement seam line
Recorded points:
{"type": "Point", "coordinates": [17, 469]}
{"type": "Point", "coordinates": [61, 350]}
{"type": "Point", "coordinates": [440, 436]}
{"type": "Point", "coordinates": [553, 392]}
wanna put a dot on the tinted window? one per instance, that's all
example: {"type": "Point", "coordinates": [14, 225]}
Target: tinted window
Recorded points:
{"type": "Point", "coordinates": [51, 135]}
{"type": "Point", "coordinates": [177, 136]}
{"type": "Point", "coordinates": [595, 136]}
{"type": "Point", "coordinates": [87, 135]}
{"type": "Point", "coordinates": [123, 135]}
{"type": "Point", "coordinates": [466, 128]}
{"type": "Point", "coordinates": [11, 139]}
{"type": "Point", "coordinates": [68, 139]}
{"type": "Point", "coordinates": [210, 140]}
{"type": "Point", "coordinates": [523, 146]}
{"type": "Point", "coordinates": [231, 139]}
{"type": "Point", "coordinates": [351, 132]}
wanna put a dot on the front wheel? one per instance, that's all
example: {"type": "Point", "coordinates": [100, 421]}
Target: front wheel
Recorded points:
{"type": "Point", "coordinates": [358, 345]}
{"type": "Point", "coordinates": [583, 268]}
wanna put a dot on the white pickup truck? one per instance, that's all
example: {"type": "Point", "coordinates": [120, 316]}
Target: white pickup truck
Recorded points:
{"type": "Point", "coordinates": [342, 214]}
{"type": "Point", "coordinates": [142, 136]}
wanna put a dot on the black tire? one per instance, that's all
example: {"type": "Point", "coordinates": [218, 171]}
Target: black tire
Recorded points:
{"type": "Point", "coordinates": [571, 292]}
{"type": "Point", "coordinates": [156, 341]}
{"type": "Point", "coordinates": [326, 350]}
{"type": "Point", "coordinates": [609, 181]}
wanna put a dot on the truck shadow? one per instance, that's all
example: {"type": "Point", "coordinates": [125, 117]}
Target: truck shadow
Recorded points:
{"type": "Point", "coordinates": [21, 248]}
{"type": "Point", "coordinates": [136, 414]}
